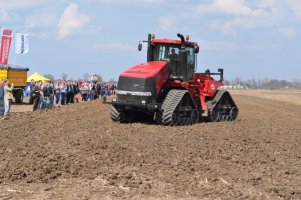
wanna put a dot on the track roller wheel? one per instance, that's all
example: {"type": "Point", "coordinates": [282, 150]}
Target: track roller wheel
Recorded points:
{"type": "Point", "coordinates": [214, 115]}
{"type": "Point", "coordinates": [233, 113]}
{"type": "Point", "coordinates": [223, 118]}
{"type": "Point", "coordinates": [175, 120]}
{"type": "Point", "coordinates": [195, 116]}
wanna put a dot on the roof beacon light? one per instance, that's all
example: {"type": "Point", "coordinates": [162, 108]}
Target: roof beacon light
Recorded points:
{"type": "Point", "coordinates": [153, 36]}
{"type": "Point", "coordinates": [187, 37]}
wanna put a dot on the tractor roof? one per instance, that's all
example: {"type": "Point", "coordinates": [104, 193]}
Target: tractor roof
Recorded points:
{"type": "Point", "coordinates": [176, 42]}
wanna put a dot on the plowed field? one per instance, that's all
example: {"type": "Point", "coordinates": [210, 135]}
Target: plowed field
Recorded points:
{"type": "Point", "coordinates": [77, 152]}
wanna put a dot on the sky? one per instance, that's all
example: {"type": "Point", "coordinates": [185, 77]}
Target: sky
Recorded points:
{"type": "Point", "coordinates": [255, 39]}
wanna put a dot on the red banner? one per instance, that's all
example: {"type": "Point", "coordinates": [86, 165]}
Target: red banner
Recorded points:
{"type": "Point", "coordinates": [5, 45]}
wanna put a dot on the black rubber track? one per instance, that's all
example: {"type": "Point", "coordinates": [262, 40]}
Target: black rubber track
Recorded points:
{"type": "Point", "coordinates": [172, 100]}
{"type": "Point", "coordinates": [219, 108]}
{"type": "Point", "coordinates": [122, 117]}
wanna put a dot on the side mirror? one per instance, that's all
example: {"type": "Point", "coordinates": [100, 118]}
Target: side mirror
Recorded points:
{"type": "Point", "coordinates": [221, 71]}
{"type": "Point", "coordinates": [196, 49]}
{"type": "Point", "coordinates": [139, 46]}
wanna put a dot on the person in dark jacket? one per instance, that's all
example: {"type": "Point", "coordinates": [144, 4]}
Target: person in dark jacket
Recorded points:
{"type": "Point", "coordinates": [46, 91]}
{"type": "Point", "coordinates": [74, 91]}
{"type": "Point", "coordinates": [51, 98]}
{"type": "Point", "coordinates": [36, 94]}
{"type": "Point", "coordinates": [69, 92]}
{"type": "Point", "coordinates": [48, 94]}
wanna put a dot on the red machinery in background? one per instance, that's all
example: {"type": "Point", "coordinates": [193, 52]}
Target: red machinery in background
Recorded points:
{"type": "Point", "coordinates": [168, 89]}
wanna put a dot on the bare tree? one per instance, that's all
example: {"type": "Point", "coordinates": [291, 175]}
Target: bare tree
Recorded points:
{"type": "Point", "coordinates": [236, 81]}
{"type": "Point", "coordinates": [86, 76]}
{"type": "Point", "coordinates": [99, 77]}
{"type": "Point", "coordinates": [49, 76]}
{"type": "Point", "coordinates": [296, 83]}
{"type": "Point", "coordinates": [64, 76]}
{"type": "Point", "coordinates": [226, 82]}
{"type": "Point", "coordinates": [269, 83]}
{"type": "Point", "coordinates": [259, 83]}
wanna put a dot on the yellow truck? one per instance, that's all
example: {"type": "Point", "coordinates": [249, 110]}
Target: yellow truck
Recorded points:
{"type": "Point", "coordinates": [16, 75]}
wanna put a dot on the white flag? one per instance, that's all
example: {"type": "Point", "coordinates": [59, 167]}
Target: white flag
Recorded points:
{"type": "Point", "coordinates": [22, 41]}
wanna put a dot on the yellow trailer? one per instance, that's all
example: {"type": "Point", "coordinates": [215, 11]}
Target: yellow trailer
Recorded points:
{"type": "Point", "coordinates": [16, 75]}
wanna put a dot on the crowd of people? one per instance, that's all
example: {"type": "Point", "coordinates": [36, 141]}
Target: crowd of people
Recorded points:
{"type": "Point", "coordinates": [50, 94]}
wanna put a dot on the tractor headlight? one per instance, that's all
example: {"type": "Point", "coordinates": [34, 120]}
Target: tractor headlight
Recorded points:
{"type": "Point", "coordinates": [133, 93]}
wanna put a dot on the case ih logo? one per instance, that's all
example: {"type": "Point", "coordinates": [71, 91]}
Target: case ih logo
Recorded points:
{"type": "Point", "coordinates": [7, 32]}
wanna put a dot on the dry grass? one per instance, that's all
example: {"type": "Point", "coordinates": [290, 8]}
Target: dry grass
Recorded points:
{"type": "Point", "coordinates": [288, 96]}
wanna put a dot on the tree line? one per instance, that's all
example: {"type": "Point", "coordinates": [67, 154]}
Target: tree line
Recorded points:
{"type": "Point", "coordinates": [265, 83]}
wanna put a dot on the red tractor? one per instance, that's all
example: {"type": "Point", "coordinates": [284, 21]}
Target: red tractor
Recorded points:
{"type": "Point", "coordinates": [168, 89]}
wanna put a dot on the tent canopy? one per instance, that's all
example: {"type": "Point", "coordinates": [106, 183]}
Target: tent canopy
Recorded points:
{"type": "Point", "coordinates": [37, 77]}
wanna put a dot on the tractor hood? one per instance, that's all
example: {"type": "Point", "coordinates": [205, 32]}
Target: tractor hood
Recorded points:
{"type": "Point", "coordinates": [145, 70]}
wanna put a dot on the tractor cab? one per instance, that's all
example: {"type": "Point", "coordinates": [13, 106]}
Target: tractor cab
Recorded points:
{"type": "Point", "coordinates": [179, 54]}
